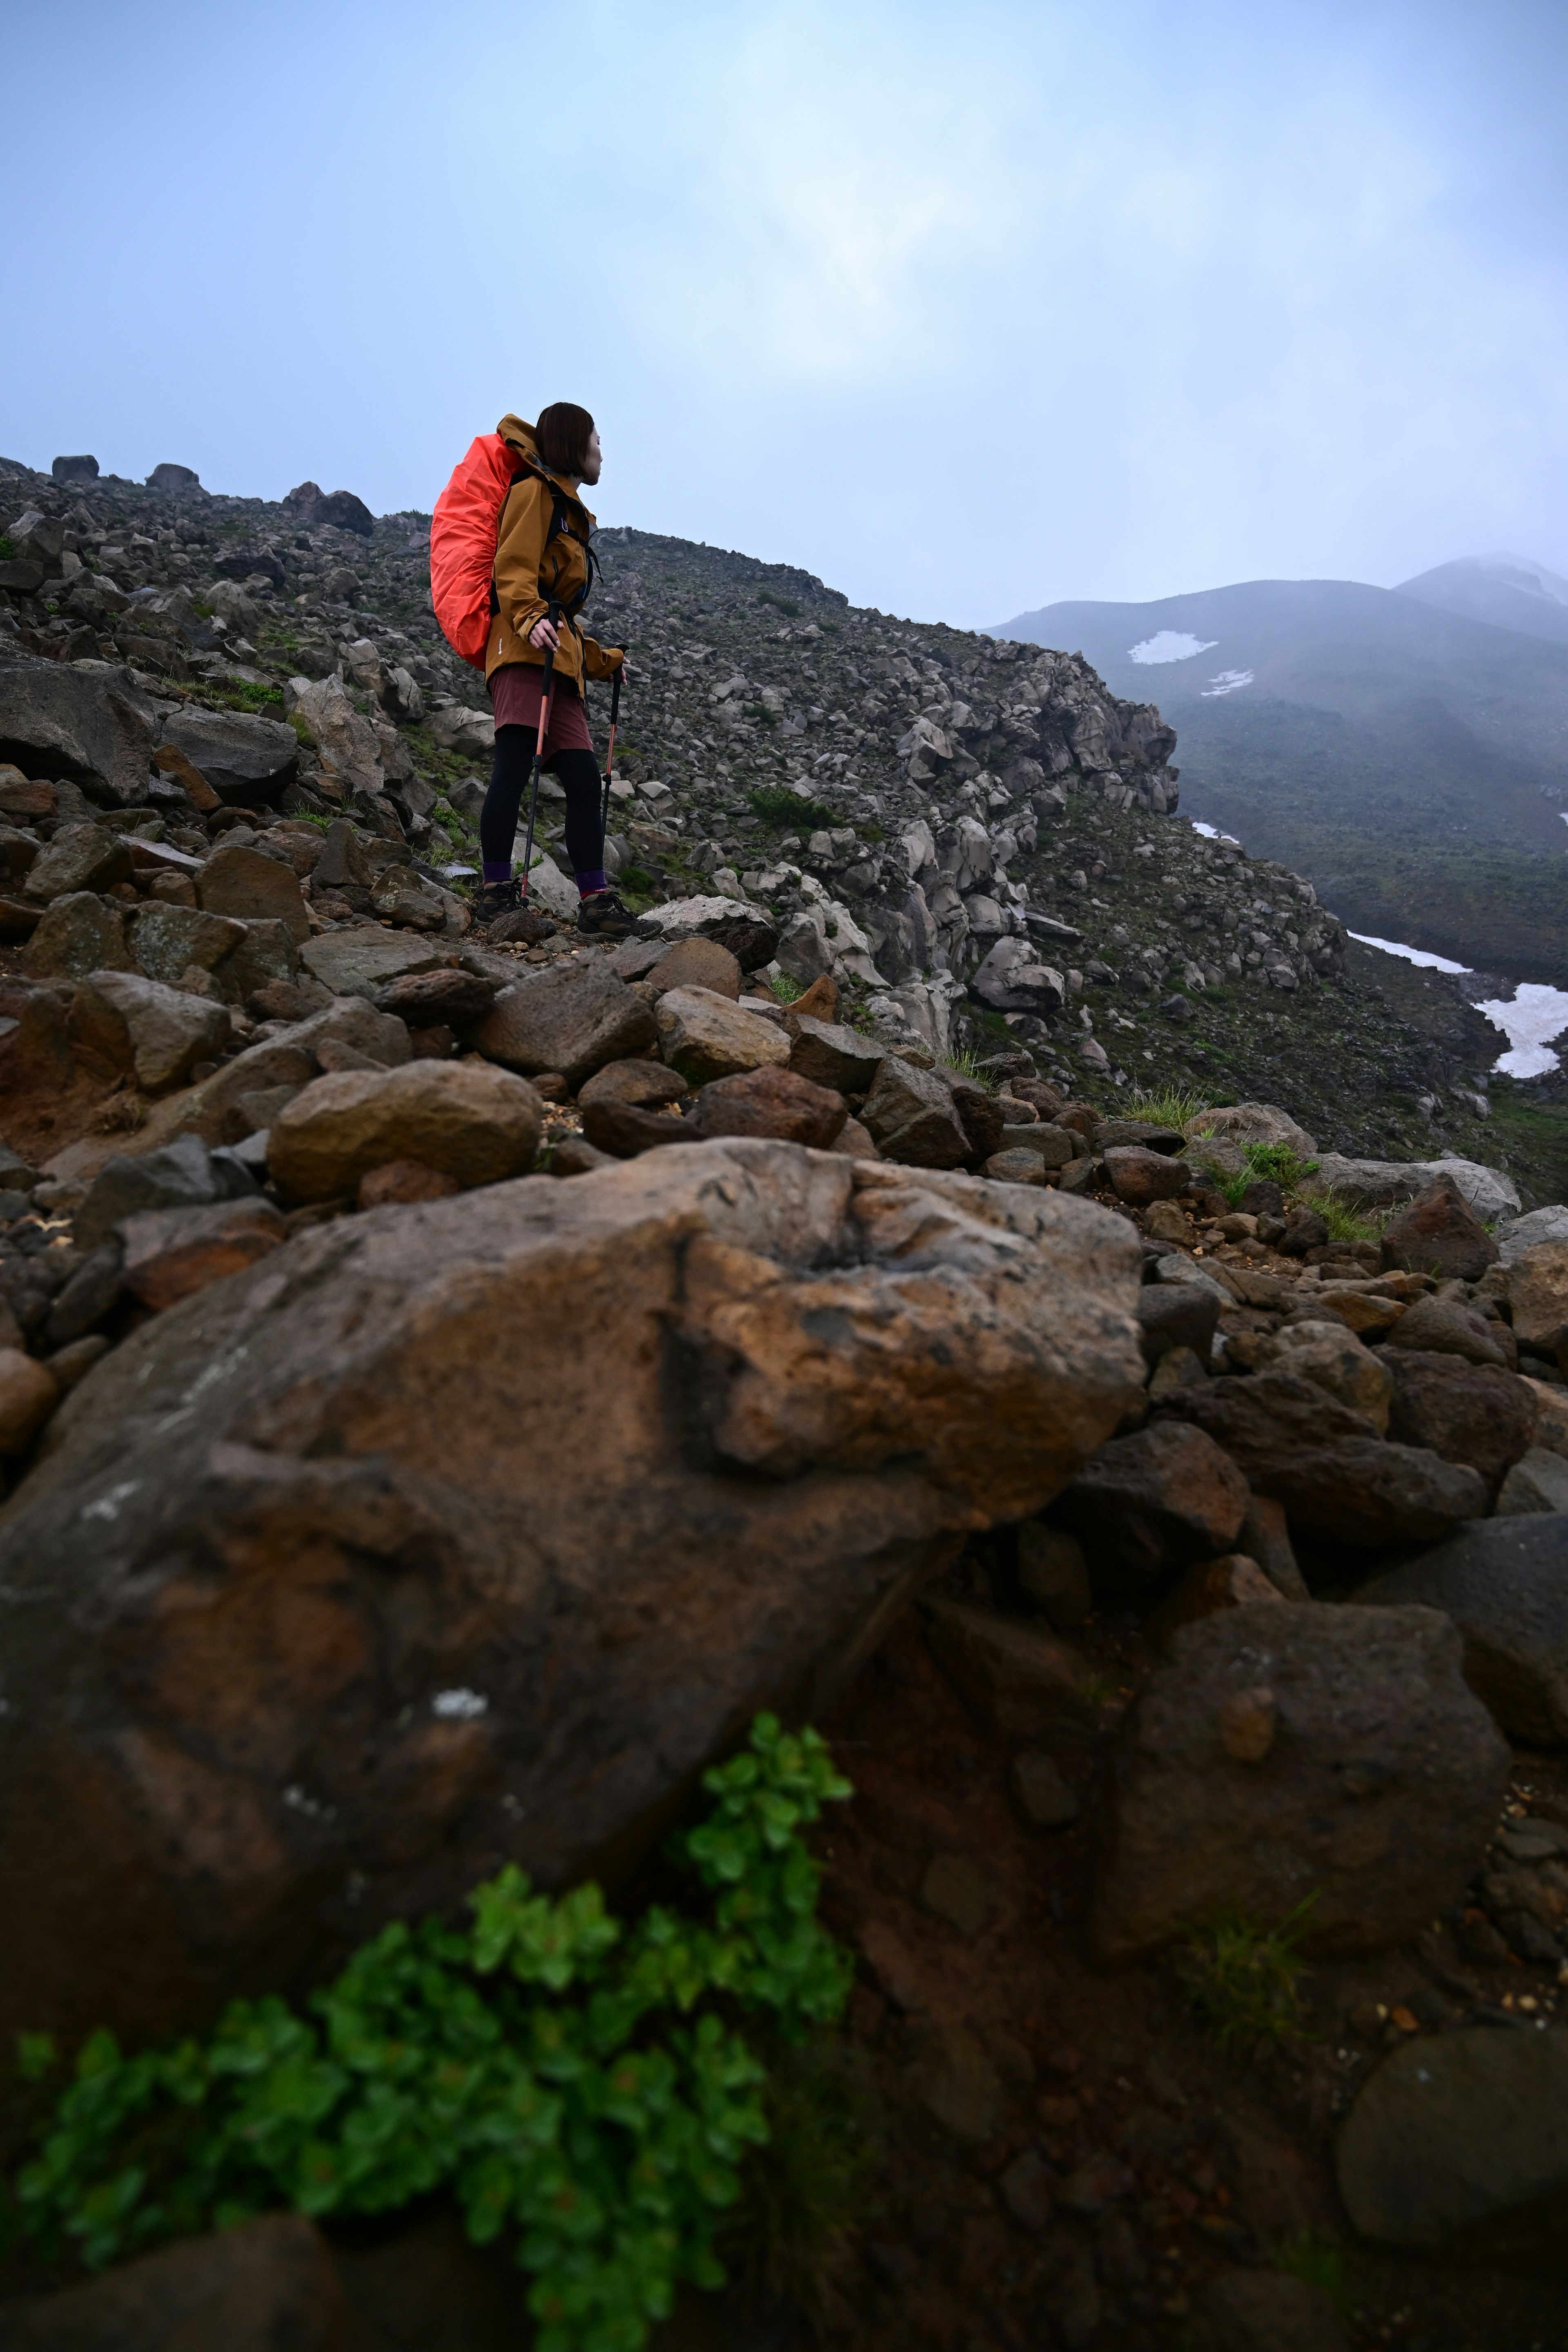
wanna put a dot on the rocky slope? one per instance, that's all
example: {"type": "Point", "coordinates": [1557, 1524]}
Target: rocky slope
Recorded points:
{"type": "Point", "coordinates": [447, 1383]}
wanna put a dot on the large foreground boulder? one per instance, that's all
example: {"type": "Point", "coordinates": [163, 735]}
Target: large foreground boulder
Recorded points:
{"type": "Point", "coordinates": [1327, 1757]}
{"type": "Point", "coordinates": [1458, 2145]}
{"type": "Point", "coordinates": [473, 1530]}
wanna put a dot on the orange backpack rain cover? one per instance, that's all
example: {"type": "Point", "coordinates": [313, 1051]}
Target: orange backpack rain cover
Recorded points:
{"type": "Point", "coordinates": [463, 544]}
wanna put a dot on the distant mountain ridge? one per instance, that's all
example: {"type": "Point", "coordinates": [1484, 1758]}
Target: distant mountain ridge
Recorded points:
{"type": "Point", "coordinates": [1350, 730]}
{"type": "Point", "coordinates": [1512, 592]}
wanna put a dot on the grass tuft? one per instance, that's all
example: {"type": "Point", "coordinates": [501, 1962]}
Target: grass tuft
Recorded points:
{"type": "Point", "coordinates": [786, 989]}
{"type": "Point", "coordinates": [1164, 1106]}
{"type": "Point", "coordinates": [1345, 1224]}
{"type": "Point", "coordinates": [1244, 1981]}
{"type": "Point", "coordinates": [965, 1064]}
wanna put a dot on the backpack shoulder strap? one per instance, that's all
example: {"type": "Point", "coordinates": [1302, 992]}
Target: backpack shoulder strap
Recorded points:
{"type": "Point", "coordinates": [525, 465]}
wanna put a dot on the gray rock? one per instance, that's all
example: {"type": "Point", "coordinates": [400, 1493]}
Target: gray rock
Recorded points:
{"type": "Point", "coordinates": [1447, 1327]}
{"type": "Point", "coordinates": [1252, 1123]}
{"type": "Point", "coordinates": [1012, 978]}
{"type": "Point", "coordinates": [1043, 1796]}
{"type": "Point", "coordinates": [1051, 1145]}
{"type": "Point", "coordinates": [95, 726]}
{"type": "Point", "coordinates": [75, 469]}
{"type": "Point", "coordinates": [832, 1055]}
{"type": "Point", "coordinates": [223, 1109]}
{"type": "Point", "coordinates": [78, 933]}
{"type": "Point", "coordinates": [179, 1176]}
{"type": "Point", "coordinates": [244, 760]}
{"type": "Point", "coordinates": [139, 1024]}
{"type": "Point", "coordinates": [362, 960]}
{"type": "Point", "coordinates": [166, 941]}
{"type": "Point", "coordinates": [180, 479]}
{"type": "Point", "coordinates": [912, 1116]}
{"type": "Point", "coordinates": [349, 746]}
{"type": "Point", "coordinates": [92, 1293]}
{"type": "Point", "coordinates": [1489, 1192]}
{"type": "Point", "coordinates": [1179, 1314]}
{"type": "Point", "coordinates": [256, 2288]}
{"type": "Point", "coordinates": [1147, 1503]}
{"type": "Point", "coordinates": [1458, 2145]}
{"type": "Point", "coordinates": [571, 1017]}
{"type": "Point", "coordinates": [1504, 1582]}
{"type": "Point", "coordinates": [265, 953]}
{"type": "Point", "coordinates": [1537, 1482]}
{"type": "Point", "coordinates": [1520, 1233]}
{"type": "Point", "coordinates": [1371, 1183]}
{"type": "Point", "coordinates": [80, 857]}
{"type": "Point", "coordinates": [1374, 1797]}
{"type": "Point", "coordinates": [250, 886]}
{"type": "Point", "coordinates": [389, 1486]}
{"type": "Point", "coordinates": [1017, 1682]}
{"type": "Point", "coordinates": [1337, 1478]}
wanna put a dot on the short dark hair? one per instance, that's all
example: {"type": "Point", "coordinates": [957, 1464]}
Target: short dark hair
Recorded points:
{"type": "Point", "coordinates": [563, 433]}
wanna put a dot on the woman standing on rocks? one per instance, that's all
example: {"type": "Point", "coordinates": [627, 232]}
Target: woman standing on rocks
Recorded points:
{"type": "Point", "coordinates": [543, 561]}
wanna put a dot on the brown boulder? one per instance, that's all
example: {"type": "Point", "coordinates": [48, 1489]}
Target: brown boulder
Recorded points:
{"type": "Point", "coordinates": [122, 1021]}
{"type": "Point", "coordinates": [1337, 1478]}
{"type": "Point", "coordinates": [428, 1584]}
{"type": "Point", "coordinates": [1232, 1582]}
{"type": "Point", "coordinates": [573, 1017]}
{"type": "Point", "coordinates": [911, 1118]}
{"type": "Point", "coordinates": [1371, 1802]}
{"type": "Point", "coordinates": [1146, 1502]}
{"type": "Point", "coordinates": [646, 1085]}
{"type": "Point", "coordinates": [431, 999]}
{"type": "Point", "coordinates": [1447, 1326]}
{"type": "Point", "coordinates": [267, 2284]}
{"type": "Point", "coordinates": [705, 1035]}
{"type": "Point", "coordinates": [171, 1253]}
{"type": "Point", "coordinates": [769, 1102]}
{"type": "Point", "coordinates": [28, 1394]}
{"type": "Point", "coordinates": [697, 963]}
{"type": "Point", "coordinates": [478, 1125]}
{"type": "Point", "coordinates": [247, 884]}
{"type": "Point", "coordinates": [1538, 1298]}
{"type": "Point", "coordinates": [1438, 1232]}
{"type": "Point", "coordinates": [1466, 1413]}
{"type": "Point", "coordinates": [1017, 1682]}
{"type": "Point", "coordinates": [80, 857]}
{"type": "Point", "coordinates": [623, 1128]}
{"type": "Point", "coordinates": [832, 1055]}
{"type": "Point", "coordinates": [399, 1182]}
{"type": "Point", "coordinates": [1139, 1176]}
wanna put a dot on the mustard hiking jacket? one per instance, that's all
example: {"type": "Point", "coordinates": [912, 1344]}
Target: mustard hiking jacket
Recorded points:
{"type": "Point", "coordinates": [531, 568]}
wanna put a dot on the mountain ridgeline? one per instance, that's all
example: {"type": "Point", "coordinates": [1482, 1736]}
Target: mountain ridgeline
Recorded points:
{"type": "Point", "coordinates": [1407, 748]}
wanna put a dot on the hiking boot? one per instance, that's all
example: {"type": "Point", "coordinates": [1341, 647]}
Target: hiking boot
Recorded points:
{"type": "Point", "coordinates": [604, 917]}
{"type": "Point", "coordinates": [495, 899]}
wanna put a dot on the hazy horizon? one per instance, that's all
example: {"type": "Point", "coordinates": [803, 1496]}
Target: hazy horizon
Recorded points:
{"type": "Point", "coordinates": [1074, 302]}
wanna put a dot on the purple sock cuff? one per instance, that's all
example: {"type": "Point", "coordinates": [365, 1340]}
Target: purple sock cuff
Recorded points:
{"type": "Point", "coordinates": [496, 869]}
{"type": "Point", "coordinates": [588, 883]}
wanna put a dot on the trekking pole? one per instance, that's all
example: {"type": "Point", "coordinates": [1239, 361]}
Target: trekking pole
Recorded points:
{"type": "Point", "coordinates": [610, 759]}
{"type": "Point", "coordinates": [539, 754]}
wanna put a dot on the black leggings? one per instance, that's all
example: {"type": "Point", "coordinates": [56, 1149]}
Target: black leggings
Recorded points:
{"type": "Point", "coordinates": [580, 779]}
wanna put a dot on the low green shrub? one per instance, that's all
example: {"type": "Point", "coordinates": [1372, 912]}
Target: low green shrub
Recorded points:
{"type": "Point", "coordinates": [789, 812]}
{"type": "Point", "coordinates": [786, 989]}
{"type": "Point", "coordinates": [582, 2084]}
{"type": "Point", "coordinates": [1345, 1223]}
{"type": "Point", "coordinates": [7, 547]}
{"type": "Point", "coordinates": [787, 604]}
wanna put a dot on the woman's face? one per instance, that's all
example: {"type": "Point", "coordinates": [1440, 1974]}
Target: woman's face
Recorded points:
{"type": "Point", "coordinates": [594, 458]}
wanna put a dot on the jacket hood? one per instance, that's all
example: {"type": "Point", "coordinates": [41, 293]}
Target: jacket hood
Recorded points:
{"type": "Point", "coordinates": [521, 436]}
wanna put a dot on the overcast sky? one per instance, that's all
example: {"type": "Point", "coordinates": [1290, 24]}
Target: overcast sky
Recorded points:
{"type": "Point", "coordinates": [966, 308]}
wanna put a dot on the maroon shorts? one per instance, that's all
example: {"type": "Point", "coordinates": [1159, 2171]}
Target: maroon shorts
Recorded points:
{"type": "Point", "coordinates": [515, 692]}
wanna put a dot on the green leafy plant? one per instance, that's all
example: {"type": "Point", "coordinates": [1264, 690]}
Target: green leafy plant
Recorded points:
{"type": "Point", "coordinates": [787, 811]}
{"type": "Point", "coordinates": [787, 989]}
{"type": "Point", "coordinates": [246, 694]}
{"type": "Point", "coordinates": [1278, 1163]}
{"type": "Point", "coordinates": [1317, 2263]}
{"type": "Point", "coordinates": [7, 547]}
{"type": "Point", "coordinates": [786, 604]}
{"type": "Point", "coordinates": [1244, 1981]}
{"type": "Point", "coordinates": [580, 2084]}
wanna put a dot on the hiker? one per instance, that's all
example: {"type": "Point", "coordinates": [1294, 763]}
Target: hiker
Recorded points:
{"type": "Point", "coordinates": [543, 565]}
